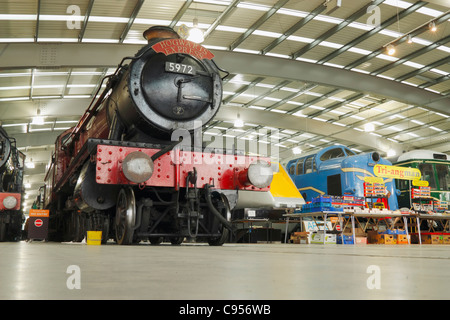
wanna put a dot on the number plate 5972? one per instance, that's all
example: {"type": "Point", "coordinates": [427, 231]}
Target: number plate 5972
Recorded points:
{"type": "Point", "coordinates": [179, 68]}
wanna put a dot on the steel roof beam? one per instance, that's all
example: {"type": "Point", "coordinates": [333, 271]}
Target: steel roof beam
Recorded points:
{"type": "Point", "coordinates": [435, 81]}
{"type": "Point", "coordinates": [180, 13]}
{"type": "Point", "coordinates": [294, 28]}
{"type": "Point", "coordinates": [86, 20]}
{"type": "Point", "coordinates": [36, 34]}
{"type": "Point", "coordinates": [242, 90]}
{"type": "Point", "coordinates": [258, 23]}
{"type": "Point", "coordinates": [312, 102]}
{"type": "Point", "coordinates": [27, 55]}
{"type": "Point", "coordinates": [306, 88]}
{"type": "Point", "coordinates": [332, 77]}
{"type": "Point", "coordinates": [424, 69]}
{"type": "Point", "coordinates": [223, 16]}
{"type": "Point", "coordinates": [337, 105]}
{"type": "Point", "coordinates": [379, 51]}
{"type": "Point", "coordinates": [134, 14]}
{"type": "Point", "coordinates": [285, 121]}
{"type": "Point", "coordinates": [355, 16]}
{"type": "Point", "coordinates": [412, 55]}
{"type": "Point", "coordinates": [374, 31]}
{"type": "Point", "coordinates": [262, 96]}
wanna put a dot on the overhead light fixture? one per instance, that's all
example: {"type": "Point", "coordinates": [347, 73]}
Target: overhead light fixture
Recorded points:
{"type": "Point", "coordinates": [296, 150]}
{"type": "Point", "coordinates": [195, 34]}
{"type": "Point", "coordinates": [30, 164]}
{"type": "Point", "coordinates": [390, 50]}
{"type": "Point", "coordinates": [432, 26]}
{"type": "Point", "coordinates": [409, 39]}
{"type": "Point", "coordinates": [38, 120]}
{"type": "Point", "coordinates": [369, 127]}
{"type": "Point", "coordinates": [238, 123]}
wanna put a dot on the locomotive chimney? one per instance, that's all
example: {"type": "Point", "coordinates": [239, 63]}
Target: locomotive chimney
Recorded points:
{"type": "Point", "coordinates": [160, 32]}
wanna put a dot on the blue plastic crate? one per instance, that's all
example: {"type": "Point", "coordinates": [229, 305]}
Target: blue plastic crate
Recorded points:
{"type": "Point", "coordinates": [347, 239]}
{"type": "Point", "coordinates": [322, 199]}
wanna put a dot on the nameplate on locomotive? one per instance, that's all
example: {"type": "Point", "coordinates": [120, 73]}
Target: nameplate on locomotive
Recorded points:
{"type": "Point", "coordinates": [173, 46]}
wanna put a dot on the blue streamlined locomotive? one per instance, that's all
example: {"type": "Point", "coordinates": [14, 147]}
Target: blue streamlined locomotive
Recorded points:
{"type": "Point", "coordinates": [338, 171]}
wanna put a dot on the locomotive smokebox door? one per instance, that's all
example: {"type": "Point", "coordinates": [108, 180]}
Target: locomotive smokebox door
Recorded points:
{"type": "Point", "coordinates": [38, 224]}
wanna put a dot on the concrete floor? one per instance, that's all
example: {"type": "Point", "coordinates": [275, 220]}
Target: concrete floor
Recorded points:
{"type": "Point", "coordinates": [40, 270]}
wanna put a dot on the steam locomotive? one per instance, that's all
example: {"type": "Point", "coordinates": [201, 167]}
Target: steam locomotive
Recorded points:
{"type": "Point", "coordinates": [11, 188]}
{"type": "Point", "coordinates": [130, 168]}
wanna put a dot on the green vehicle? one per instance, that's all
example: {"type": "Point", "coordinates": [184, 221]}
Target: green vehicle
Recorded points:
{"type": "Point", "coordinates": [434, 167]}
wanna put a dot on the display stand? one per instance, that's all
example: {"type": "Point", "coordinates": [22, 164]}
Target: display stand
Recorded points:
{"type": "Point", "coordinates": [375, 218]}
{"type": "Point", "coordinates": [313, 215]}
{"type": "Point", "coordinates": [38, 225]}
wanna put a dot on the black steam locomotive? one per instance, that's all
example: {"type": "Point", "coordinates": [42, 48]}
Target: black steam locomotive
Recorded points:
{"type": "Point", "coordinates": [130, 168]}
{"type": "Point", "coordinates": [11, 188]}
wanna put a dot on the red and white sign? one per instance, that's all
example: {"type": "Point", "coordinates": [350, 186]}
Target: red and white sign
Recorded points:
{"type": "Point", "coordinates": [172, 46]}
{"type": "Point", "coordinates": [38, 223]}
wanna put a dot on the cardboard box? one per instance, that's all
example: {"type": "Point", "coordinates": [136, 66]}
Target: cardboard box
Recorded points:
{"type": "Point", "coordinates": [317, 238]}
{"type": "Point", "coordinates": [300, 238]}
{"type": "Point", "coordinates": [402, 239]}
{"type": "Point", "coordinates": [446, 239]}
{"type": "Point", "coordinates": [428, 238]}
{"type": "Point", "coordinates": [372, 237]}
{"type": "Point", "coordinates": [387, 239]}
{"type": "Point", "coordinates": [436, 239]}
{"type": "Point", "coordinates": [361, 240]}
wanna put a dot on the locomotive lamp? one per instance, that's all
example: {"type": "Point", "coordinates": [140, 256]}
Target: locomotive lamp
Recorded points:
{"type": "Point", "coordinates": [137, 167]}
{"type": "Point", "coordinates": [10, 202]}
{"type": "Point", "coordinates": [259, 174]}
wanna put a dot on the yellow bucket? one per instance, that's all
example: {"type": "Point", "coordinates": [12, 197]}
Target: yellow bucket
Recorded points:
{"type": "Point", "coordinates": [94, 238]}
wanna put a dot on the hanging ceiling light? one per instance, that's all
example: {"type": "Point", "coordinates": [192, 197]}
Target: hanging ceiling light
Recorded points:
{"type": "Point", "coordinates": [369, 127]}
{"type": "Point", "coordinates": [409, 39]}
{"type": "Point", "coordinates": [196, 34]}
{"type": "Point", "coordinates": [38, 120]}
{"type": "Point", "coordinates": [238, 123]}
{"type": "Point", "coordinates": [432, 26]}
{"type": "Point", "coordinates": [390, 50]}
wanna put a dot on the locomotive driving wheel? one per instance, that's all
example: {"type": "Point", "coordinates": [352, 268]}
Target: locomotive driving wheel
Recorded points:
{"type": "Point", "coordinates": [125, 216]}
{"type": "Point", "coordinates": [221, 203]}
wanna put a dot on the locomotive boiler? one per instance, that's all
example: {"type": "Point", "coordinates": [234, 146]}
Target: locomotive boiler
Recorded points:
{"type": "Point", "coordinates": [134, 167]}
{"type": "Point", "coordinates": [11, 188]}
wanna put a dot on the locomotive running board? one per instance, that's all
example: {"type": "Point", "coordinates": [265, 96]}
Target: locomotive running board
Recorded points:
{"type": "Point", "coordinates": [92, 144]}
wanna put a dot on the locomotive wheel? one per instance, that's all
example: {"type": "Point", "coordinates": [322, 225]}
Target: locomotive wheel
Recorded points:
{"type": "Point", "coordinates": [224, 208]}
{"type": "Point", "coordinates": [156, 240]}
{"type": "Point", "coordinates": [125, 216]}
{"type": "Point", "coordinates": [176, 241]}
